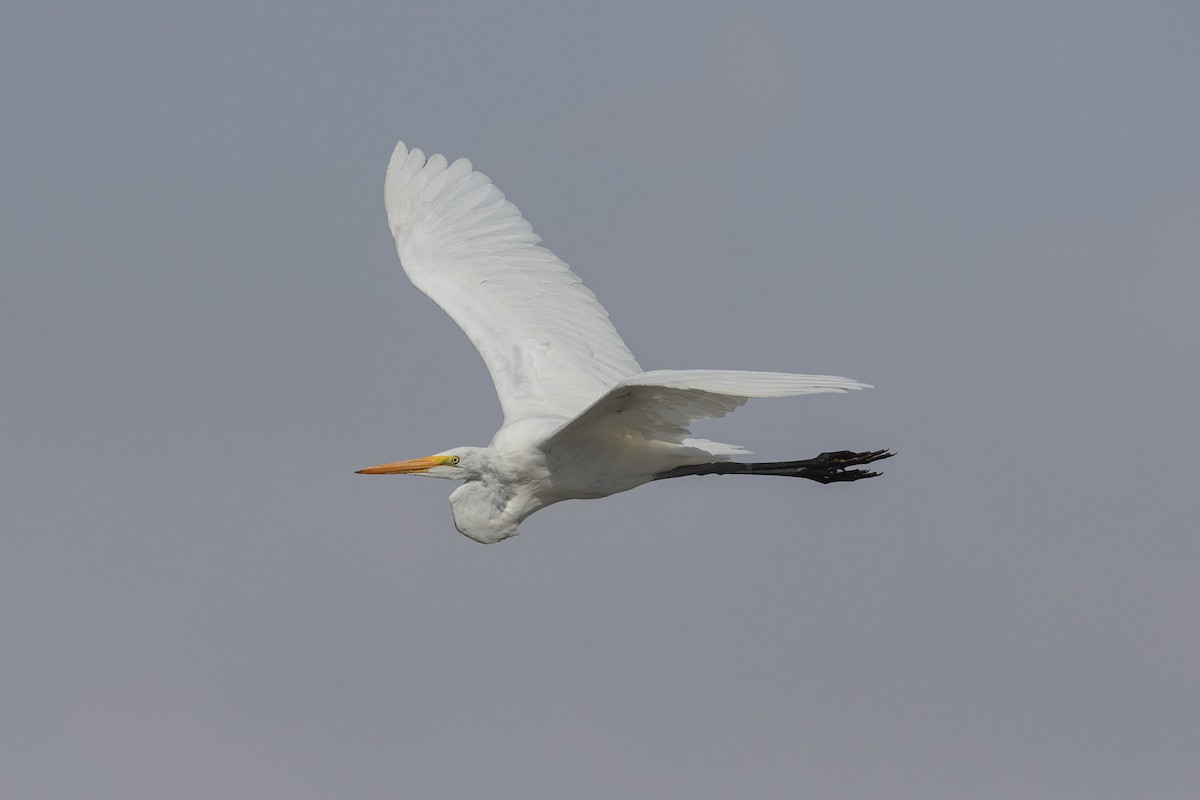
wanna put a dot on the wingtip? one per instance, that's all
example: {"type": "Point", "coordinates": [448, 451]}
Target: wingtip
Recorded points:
{"type": "Point", "coordinates": [399, 154]}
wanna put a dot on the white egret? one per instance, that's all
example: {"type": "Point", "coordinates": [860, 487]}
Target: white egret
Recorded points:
{"type": "Point", "coordinates": [581, 418]}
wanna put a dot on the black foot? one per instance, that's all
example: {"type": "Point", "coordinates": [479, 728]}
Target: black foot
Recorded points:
{"type": "Point", "coordinates": [832, 467]}
{"type": "Point", "coordinates": [825, 468]}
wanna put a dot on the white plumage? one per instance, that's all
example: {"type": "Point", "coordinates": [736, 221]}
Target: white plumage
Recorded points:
{"type": "Point", "coordinates": [545, 339]}
{"type": "Point", "coordinates": [581, 418]}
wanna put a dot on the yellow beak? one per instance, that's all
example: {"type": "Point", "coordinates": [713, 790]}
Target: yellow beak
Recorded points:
{"type": "Point", "coordinates": [407, 467]}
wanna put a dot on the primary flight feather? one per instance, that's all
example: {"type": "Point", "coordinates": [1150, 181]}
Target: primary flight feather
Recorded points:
{"type": "Point", "coordinates": [581, 418]}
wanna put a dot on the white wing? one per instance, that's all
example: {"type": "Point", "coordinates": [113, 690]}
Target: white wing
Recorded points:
{"type": "Point", "coordinates": [546, 340]}
{"type": "Point", "coordinates": [661, 405]}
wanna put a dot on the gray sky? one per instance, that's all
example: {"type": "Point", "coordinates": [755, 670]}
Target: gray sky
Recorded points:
{"type": "Point", "coordinates": [990, 211]}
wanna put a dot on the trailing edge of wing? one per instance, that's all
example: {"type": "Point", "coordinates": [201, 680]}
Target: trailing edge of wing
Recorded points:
{"type": "Point", "coordinates": [662, 405]}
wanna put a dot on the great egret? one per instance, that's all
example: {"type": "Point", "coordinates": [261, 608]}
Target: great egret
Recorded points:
{"type": "Point", "coordinates": [581, 418]}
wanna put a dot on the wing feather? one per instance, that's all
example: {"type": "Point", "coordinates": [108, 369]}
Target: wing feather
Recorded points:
{"type": "Point", "coordinates": [547, 342]}
{"type": "Point", "coordinates": [661, 405]}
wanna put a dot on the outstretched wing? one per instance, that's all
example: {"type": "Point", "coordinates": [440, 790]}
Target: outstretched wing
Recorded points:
{"type": "Point", "coordinates": [661, 405]}
{"type": "Point", "coordinates": [546, 340]}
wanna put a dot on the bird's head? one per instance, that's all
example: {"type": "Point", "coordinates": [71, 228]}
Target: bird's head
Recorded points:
{"type": "Point", "coordinates": [459, 464]}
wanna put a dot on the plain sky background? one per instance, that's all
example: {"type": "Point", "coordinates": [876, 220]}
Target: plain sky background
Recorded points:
{"type": "Point", "coordinates": [991, 211]}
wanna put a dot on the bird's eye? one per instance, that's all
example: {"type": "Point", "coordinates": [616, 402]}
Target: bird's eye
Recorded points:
{"type": "Point", "coordinates": [453, 459]}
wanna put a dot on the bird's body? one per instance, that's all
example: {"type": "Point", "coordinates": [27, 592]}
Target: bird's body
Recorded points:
{"type": "Point", "coordinates": [581, 418]}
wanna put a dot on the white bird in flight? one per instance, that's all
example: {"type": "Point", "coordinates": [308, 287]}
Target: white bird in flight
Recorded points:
{"type": "Point", "coordinates": [581, 418]}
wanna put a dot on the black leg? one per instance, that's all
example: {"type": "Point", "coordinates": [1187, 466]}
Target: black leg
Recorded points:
{"type": "Point", "coordinates": [825, 468]}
